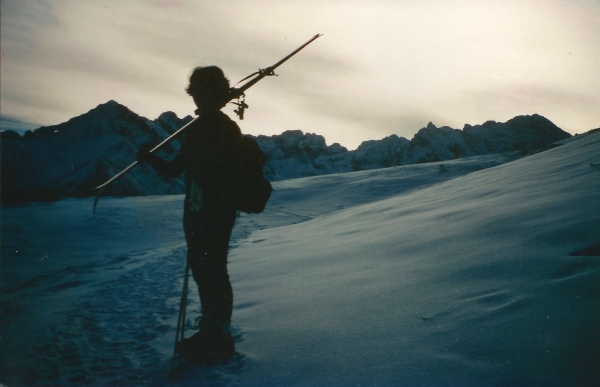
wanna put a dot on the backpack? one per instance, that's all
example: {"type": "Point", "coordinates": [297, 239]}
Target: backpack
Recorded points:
{"type": "Point", "coordinates": [251, 190]}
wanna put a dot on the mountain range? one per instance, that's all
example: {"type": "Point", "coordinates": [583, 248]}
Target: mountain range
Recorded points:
{"type": "Point", "coordinates": [69, 159]}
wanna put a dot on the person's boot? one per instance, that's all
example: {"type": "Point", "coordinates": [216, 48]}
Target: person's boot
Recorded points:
{"type": "Point", "coordinates": [212, 343]}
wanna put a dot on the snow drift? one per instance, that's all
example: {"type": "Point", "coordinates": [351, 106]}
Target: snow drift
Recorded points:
{"type": "Point", "coordinates": [476, 281]}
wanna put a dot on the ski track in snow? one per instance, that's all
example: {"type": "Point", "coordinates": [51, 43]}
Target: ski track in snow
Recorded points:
{"type": "Point", "coordinates": [112, 317]}
{"type": "Point", "coordinates": [116, 334]}
{"type": "Point", "coordinates": [106, 337]}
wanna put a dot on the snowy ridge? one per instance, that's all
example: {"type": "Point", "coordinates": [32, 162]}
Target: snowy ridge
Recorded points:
{"type": "Point", "coordinates": [295, 154]}
{"type": "Point", "coordinates": [70, 159]}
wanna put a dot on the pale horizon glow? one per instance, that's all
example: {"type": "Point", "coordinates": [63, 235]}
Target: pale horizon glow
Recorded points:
{"type": "Point", "coordinates": [380, 68]}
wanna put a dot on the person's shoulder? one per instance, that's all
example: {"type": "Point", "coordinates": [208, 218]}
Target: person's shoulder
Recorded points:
{"type": "Point", "coordinates": [217, 118]}
{"type": "Point", "coordinates": [216, 124]}
{"type": "Point", "coordinates": [228, 124]}
{"type": "Point", "coordinates": [226, 119]}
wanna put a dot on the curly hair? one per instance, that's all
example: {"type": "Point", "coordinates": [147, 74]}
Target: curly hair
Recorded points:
{"type": "Point", "coordinates": [209, 79]}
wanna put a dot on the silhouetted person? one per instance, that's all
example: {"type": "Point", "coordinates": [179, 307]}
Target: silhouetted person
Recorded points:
{"type": "Point", "coordinates": [208, 157]}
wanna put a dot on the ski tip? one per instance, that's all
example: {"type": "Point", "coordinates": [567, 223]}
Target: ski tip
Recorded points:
{"type": "Point", "coordinates": [97, 198]}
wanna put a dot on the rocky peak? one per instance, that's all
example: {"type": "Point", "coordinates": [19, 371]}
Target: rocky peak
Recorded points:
{"type": "Point", "coordinates": [386, 152]}
{"type": "Point", "coordinates": [10, 135]}
{"type": "Point", "coordinates": [169, 121]}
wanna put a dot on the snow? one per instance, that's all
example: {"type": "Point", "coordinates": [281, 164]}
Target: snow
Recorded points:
{"type": "Point", "coordinates": [463, 273]}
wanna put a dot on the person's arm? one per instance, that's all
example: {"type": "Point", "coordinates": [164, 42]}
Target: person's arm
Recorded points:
{"type": "Point", "coordinates": [170, 169]}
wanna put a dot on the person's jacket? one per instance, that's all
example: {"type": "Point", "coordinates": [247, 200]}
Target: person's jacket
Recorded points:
{"type": "Point", "coordinates": [208, 156]}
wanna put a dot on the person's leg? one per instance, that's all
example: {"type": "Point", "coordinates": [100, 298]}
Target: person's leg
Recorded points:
{"type": "Point", "coordinates": [209, 269]}
{"type": "Point", "coordinates": [208, 236]}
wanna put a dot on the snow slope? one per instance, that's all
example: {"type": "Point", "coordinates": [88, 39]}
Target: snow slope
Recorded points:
{"type": "Point", "coordinates": [475, 281]}
{"type": "Point", "coordinates": [421, 275]}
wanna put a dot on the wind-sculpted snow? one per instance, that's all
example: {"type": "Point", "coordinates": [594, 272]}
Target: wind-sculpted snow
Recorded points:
{"type": "Point", "coordinates": [473, 272]}
{"type": "Point", "coordinates": [70, 159]}
{"type": "Point", "coordinates": [476, 281]}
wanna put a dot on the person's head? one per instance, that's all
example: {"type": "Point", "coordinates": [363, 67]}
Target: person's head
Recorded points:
{"type": "Point", "coordinates": [209, 87]}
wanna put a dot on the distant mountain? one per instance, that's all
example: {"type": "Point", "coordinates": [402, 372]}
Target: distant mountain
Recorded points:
{"type": "Point", "coordinates": [522, 133]}
{"type": "Point", "coordinates": [295, 154]}
{"type": "Point", "coordinates": [69, 159]}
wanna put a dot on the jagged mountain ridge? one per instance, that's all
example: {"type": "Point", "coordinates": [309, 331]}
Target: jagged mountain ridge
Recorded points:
{"type": "Point", "coordinates": [71, 158]}
{"type": "Point", "coordinates": [295, 154]}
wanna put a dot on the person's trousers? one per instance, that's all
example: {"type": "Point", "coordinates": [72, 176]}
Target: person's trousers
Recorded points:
{"type": "Point", "coordinates": [207, 233]}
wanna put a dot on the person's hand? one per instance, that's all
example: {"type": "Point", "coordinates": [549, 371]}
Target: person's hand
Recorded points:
{"type": "Point", "coordinates": [144, 152]}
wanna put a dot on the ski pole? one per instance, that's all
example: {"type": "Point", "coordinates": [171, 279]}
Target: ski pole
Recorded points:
{"type": "Point", "coordinates": [234, 93]}
{"type": "Point", "coordinates": [181, 319]}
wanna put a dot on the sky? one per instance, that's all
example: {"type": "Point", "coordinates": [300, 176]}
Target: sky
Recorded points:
{"type": "Point", "coordinates": [381, 67]}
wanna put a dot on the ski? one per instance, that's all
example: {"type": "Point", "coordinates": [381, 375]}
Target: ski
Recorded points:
{"type": "Point", "coordinates": [234, 93]}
